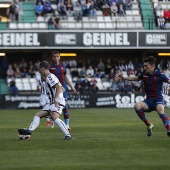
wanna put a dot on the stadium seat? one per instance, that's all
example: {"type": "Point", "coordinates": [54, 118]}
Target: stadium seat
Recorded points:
{"type": "Point", "coordinates": [19, 86]}
{"type": "Point", "coordinates": [72, 25]}
{"type": "Point", "coordinates": [37, 75]}
{"type": "Point", "coordinates": [100, 86]}
{"type": "Point", "coordinates": [85, 19]}
{"type": "Point", "coordinates": [25, 80]}
{"type": "Point", "coordinates": [109, 26]}
{"type": "Point", "coordinates": [107, 19]}
{"type": "Point", "coordinates": [135, 12]}
{"type": "Point", "coordinates": [12, 26]}
{"type": "Point", "coordinates": [79, 25]}
{"type": "Point", "coordinates": [122, 25]}
{"type": "Point", "coordinates": [34, 26]}
{"type": "Point", "coordinates": [94, 25]}
{"type": "Point", "coordinates": [33, 86]}
{"type": "Point", "coordinates": [98, 80]}
{"type": "Point", "coordinates": [18, 80]}
{"type": "Point", "coordinates": [33, 80]}
{"type": "Point", "coordinates": [106, 85]}
{"type": "Point", "coordinates": [40, 19]}
{"type": "Point", "coordinates": [21, 26]}
{"type": "Point", "coordinates": [27, 25]}
{"type": "Point", "coordinates": [135, 7]}
{"type": "Point", "coordinates": [26, 86]}
{"type": "Point", "coordinates": [100, 19]}
{"type": "Point", "coordinates": [129, 19]}
{"type": "Point", "coordinates": [99, 13]}
{"type": "Point", "coordinates": [8, 80]}
{"type": "Point", "coordinates": [86, 25]}
{"type": "Point", "coordinates": [42, 26]}
{"type": "Point", "coordinates": [139, 25]}
{"type": "Point", "coordinates": [128, 12]}
{"type": "Point", "coordinates": [71, 19]}
{"type": "Point", "coordinates": [64, 25]}
{"type": "Point", "coordinates": [124, 73]}
{"type": "Point", "coordinates": [155, 0]}
{"type": "Point", "coordinates": [114, 19]}
{"type": "Point", "coordinates": [92, 20]}
{"type": "Point", "coordinates": [137, 18]}
{"type": "Point", "coordinates": [101, 25]}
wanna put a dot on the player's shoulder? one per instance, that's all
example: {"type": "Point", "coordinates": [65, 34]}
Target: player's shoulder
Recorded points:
{"type": "Point", "coordinates": [51, 78]}
{"type": "Point", "coordinates": [62, 64]}
{"type": "Point", "coordinates": [158, 72]}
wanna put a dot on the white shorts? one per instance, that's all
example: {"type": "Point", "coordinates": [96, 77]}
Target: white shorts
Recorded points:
{"type": "Point", "coordinates": [53, 108]}
{"type": "Point", "coordinates": [44, 100]}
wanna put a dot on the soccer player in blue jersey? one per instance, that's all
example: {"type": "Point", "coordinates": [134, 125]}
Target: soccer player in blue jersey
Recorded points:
{"type": "Point", "coordinates": [152, 80]}
{"type": "Point", "coordinates": [59, 69]}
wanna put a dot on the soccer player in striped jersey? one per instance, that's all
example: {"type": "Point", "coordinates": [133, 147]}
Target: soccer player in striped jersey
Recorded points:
{"type": "Point", "coordinates": [54, 92]}
{"type": "Point", "coordinates": [59, 70]}
{"type": "Point", "coordinates": [165, 88]}
{"type": "Point", "coordinates": [44, 101]}
{"type": "Point", "coordinates": [152, 80]}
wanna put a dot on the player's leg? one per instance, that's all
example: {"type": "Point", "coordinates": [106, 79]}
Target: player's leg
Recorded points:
{"type": "Point", "coordinates": [43, 105]}
{"type": "Point", "coordinates": [34, 124]}
{"type": "Point", "coordinates": [66, 113]}
{"type": "Point", "coordinates": [164, 117]}
{"type": "Point", "coordinates": [56, 117]}
{"type": "Point", "coordinates": [47, 121]}
{"type": "Point", "coordinates": [140, 107]}
{"type": "Point", "coordinates": [36, 120]}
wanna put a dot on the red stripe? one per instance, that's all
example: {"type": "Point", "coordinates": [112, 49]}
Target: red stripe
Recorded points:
{"type": "Point", "coordinates": [66, 116]}
{"type": "Point", "coordinates": [168, 127]}
{"type": "Point", "coordinates": [153, 85]}
{"type": "Point", "coordinates": [165, 118]}
{"type": "Point", "coordinates": [53, 69]}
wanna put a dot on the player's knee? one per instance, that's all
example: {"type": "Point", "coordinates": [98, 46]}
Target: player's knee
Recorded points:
{"type": "Point", "coordinates": [55, 116]}
{"type": "Point", "coordinates": [136, 107]}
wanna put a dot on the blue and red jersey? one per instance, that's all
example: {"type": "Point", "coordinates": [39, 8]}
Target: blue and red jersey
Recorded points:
{"type": "Point", "coordinates": [59, 71]}
{"type": "Point", "coordinates": [153, 84]}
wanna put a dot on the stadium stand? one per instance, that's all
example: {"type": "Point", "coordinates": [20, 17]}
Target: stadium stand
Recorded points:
{"type": "Point", "coordinates": [28, 19]}
{"type": "Point", "coordinates": [147, 14]}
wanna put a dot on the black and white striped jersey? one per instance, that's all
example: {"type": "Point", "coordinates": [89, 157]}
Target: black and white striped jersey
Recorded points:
{"type": "Point", "coordinates": [51, 82]}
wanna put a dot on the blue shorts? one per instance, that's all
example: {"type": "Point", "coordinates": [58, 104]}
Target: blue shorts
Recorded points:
{"type": "Point", "coordinates": [65, 95]}
{"type": "Point", "coordinates": [152, 103]}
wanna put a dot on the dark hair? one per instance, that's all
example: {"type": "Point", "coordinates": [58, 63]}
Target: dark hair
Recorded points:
{"type": "Point", "coordinates": [45, 65]}
{"type": "Point", "coordinates": [55, 52]}
{"type": "Point", "coordinates": [151, 60]}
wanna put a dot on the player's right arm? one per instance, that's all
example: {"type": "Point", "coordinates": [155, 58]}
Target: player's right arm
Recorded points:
{"type": "Point", "coordinates": [70, 84]}
{"type": "Point", "coordinates": [126, 78]}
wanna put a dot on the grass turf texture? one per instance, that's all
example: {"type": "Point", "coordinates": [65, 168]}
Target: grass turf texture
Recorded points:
{"type": "Point", "coordinates": [103, 139]}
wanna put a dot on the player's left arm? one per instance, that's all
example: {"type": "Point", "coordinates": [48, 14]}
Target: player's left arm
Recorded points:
{"type": "Point", "coordinates": [70, 84]}
{"type": "Point", "coordinates": [58, 91]}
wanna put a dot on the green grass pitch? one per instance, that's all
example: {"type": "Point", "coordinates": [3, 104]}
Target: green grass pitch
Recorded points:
{"type": "Point", "coordinates": [104, 139]}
